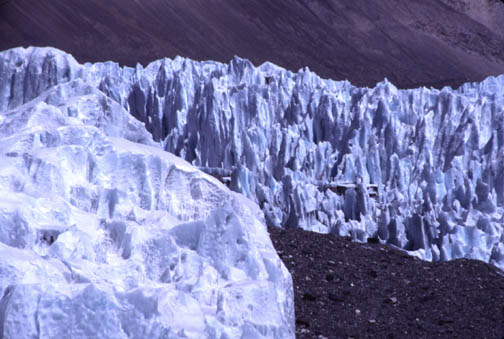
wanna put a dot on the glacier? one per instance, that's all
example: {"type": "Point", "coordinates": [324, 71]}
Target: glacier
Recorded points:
{"type": "Point", "coordinates": [103, 234]}
{"type": "Point", "coordinates": [96, 194]}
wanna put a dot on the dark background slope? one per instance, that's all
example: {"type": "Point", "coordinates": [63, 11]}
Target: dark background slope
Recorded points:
{"type": "Point", "coordinates": [412, 43]}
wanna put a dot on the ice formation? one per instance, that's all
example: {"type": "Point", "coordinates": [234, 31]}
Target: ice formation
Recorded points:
{"type": "Point", "coordinates": [421, 169]}
{"type": "Point", "coordinates": [103, 234]}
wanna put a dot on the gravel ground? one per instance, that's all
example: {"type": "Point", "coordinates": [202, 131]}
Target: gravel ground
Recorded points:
{"type": "Point", "coordinates": [353, 290]}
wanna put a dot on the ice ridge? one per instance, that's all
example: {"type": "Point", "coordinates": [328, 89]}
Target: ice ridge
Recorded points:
{"type": "Point", "coordinates": [103, 234]}
{"type": "Point", "coordinates": [421, 169]}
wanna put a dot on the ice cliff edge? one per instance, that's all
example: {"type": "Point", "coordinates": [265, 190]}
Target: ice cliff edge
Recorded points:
{"type": "Point", "coordinates": [421, 169]}
{"type": "Point", "coordinates": [309, 151]}
{"type": "Point", "coordinates": [105, 235]}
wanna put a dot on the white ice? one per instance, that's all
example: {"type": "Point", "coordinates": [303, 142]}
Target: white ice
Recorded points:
{"type": "Point", "coordinates": [421, 169]}
{"type": "Point", "coordinates": [103, 234]}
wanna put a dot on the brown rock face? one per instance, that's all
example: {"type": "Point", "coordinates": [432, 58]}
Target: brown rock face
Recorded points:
{"type": "Point", "coordinates": [412, 43]}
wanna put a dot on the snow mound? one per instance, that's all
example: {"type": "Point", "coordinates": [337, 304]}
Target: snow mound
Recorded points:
{"type": "Point", "coordinates": [103, 234]}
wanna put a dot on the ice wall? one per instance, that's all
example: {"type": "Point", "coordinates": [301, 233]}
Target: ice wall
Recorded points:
{"type": "Point", "coordinates": [309, 150]}
{"type": "Point", "coordinates": [105, 235]}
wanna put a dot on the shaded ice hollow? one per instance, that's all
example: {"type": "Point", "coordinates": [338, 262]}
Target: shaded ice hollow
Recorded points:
{"type": "Point", "coordinates": [103, 234]}
{"type": "Point", "coordinates": [103, 212]}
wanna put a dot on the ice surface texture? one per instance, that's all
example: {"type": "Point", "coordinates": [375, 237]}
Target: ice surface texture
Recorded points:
{"type": "Point", "coordinates": [105, 235]}
{"type": "Point", "coordinates": [286, 138]}
{"type": "Point", "coordinates": [308, 150]}
{"type": "Point", "coordinates": [436, 156]}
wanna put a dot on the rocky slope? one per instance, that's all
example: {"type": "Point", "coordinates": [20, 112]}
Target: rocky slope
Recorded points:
{"type": "Point", "coordinates": [347, 290]}
{"type": "Point", "coordinates": [412, 43]}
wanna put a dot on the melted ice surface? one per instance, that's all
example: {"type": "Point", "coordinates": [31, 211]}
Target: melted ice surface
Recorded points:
{"type": "Point", "coordinates": [103, 234]}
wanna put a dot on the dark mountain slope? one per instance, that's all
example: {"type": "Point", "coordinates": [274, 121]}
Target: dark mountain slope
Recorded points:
{"type": "Point", "coordinates": [413, 43]}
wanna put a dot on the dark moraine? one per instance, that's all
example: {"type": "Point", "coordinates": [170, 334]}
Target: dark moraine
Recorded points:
{"type": "Point", "coordinates": [344, 289]}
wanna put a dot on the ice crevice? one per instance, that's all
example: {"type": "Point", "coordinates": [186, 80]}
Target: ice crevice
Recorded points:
{"type": "Point", "coordinates": [421, 169]}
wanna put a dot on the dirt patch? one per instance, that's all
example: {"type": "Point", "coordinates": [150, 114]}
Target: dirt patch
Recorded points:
{"type": "Point", "coordinates": [352, 290]}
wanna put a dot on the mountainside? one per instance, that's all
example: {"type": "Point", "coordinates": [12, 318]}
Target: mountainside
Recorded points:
{"type": "Point", "coordinates": [412, 43]}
